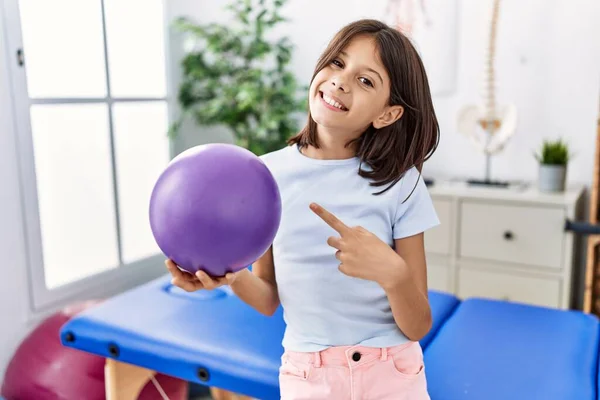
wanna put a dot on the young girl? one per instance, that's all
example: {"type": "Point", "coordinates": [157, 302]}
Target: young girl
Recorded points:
{"type": "Point", "coordinates": [348, 262]}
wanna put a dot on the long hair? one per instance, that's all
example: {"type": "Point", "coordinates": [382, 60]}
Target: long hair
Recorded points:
{"type": "Point", "coordinates": [412, 139]}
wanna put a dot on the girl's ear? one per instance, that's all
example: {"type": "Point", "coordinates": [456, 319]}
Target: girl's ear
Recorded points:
{"type": "Point", "coordinates": [389, 116]}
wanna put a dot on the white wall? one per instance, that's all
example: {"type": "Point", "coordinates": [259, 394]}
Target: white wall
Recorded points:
{"type": "Point", "coordinates": [548, 64]}
{"type": "Point", "coordinates": [14, 291]}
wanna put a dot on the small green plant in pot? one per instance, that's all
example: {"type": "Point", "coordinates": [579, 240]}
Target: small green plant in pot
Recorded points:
{"type": "Point", "coordinates": [238, 75]}
{"type": "Point", "coordinates": [553, 158]}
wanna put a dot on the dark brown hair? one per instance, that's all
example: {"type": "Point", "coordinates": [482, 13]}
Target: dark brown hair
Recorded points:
{"type": "Point", "coordinates": [408, 142]}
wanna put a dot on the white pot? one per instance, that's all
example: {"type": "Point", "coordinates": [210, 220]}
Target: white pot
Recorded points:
{"type": "Point", "coordinates": [552, 178]}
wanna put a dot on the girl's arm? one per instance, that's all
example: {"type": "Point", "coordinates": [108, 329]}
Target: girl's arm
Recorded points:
{"type": "Point", "coordinates": [407, 291]}
{"type": "Point", "coordinates": [258, 287]}
{"type": "Point", "coordinates": [401, 273]}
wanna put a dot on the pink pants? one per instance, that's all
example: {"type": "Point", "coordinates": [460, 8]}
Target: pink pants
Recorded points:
{"type": "Point", "coordinates": [355, 373]}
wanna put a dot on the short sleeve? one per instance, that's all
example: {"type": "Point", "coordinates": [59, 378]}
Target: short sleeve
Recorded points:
{"type": "Point", "coordinates": [414, 214]}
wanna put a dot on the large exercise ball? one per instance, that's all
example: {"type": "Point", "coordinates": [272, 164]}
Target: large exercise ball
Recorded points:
{"type": "Point", "coordinates": [215, 207]}
{"type": "Point", "coordinates": [43, 369]}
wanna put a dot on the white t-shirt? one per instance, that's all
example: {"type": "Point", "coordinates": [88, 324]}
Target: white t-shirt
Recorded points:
{"type": "Point", "coordinates": [322, 306]}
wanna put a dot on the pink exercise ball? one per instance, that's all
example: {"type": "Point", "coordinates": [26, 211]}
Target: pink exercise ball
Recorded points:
{"type": "Point", "coordinates": [43, 369]}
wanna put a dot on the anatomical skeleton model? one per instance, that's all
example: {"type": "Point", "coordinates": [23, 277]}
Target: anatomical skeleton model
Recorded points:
{"type": "Point", "coordinates": [488, 126]}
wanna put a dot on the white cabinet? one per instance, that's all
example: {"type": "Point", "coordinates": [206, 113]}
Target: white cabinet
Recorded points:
{"type": "Point", "coordinates": [503, 243]}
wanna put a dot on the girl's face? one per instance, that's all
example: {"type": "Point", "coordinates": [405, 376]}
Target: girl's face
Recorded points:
{"type": "Point", "coordinates": [352, 92]}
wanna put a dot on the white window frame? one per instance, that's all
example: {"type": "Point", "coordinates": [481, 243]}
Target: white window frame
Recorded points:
{"type": "Point", "coordinates": [103, 284]}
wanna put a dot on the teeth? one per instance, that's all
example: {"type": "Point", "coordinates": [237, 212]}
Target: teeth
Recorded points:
{"type": "Point", "coordinates": [332, 102]}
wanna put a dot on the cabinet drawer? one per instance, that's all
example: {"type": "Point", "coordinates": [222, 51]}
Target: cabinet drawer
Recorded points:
{"type": "Point", "coordinates": [512, 233]}
{"type": "Point", "coordinates": [512, 287]}
{"type": "Point", "coordinates": [437, 240]}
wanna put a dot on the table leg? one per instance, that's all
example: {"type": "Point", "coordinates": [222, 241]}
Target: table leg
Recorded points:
{"type": "Point", "coordinates": [220, 394]}
{"type": "Point", "coordinates": [124, 381]}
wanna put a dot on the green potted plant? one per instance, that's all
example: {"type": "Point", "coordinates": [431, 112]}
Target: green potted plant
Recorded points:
{"type": "Point", "coordinates": [553, 158]}
{"type": "Point", "coordinates": [234, 76]}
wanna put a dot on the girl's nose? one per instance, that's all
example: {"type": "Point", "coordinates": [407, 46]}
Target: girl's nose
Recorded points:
{"type": "Point", "coordinates": [339, 83]}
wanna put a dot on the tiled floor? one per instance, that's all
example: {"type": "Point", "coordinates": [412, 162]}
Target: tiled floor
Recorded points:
{"type": "Point", "coordinates": [201, 398]}
{"type": "Point", "coordinates": [197, 393]}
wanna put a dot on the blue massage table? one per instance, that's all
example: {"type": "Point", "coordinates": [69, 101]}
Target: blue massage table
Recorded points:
{"type": "Point", "coordinates": [477, 349]}
{"type": "Point", "coordinates": [495, 350]}
{"type": "Point", "coordinates": [207, 337]}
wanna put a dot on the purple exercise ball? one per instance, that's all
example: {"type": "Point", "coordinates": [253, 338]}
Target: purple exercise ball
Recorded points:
{"type": "Point", "coordinates": [216, 207]}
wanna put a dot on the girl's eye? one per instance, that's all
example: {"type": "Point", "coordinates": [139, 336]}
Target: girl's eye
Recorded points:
{"type": "Point", "coordinates": [337, 63]}
{"type": "Point", "coordinates": [366, 82]}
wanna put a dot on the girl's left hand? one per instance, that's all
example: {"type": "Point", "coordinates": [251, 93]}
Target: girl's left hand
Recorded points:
{"type": "Point", "coordinates": [361, 253]}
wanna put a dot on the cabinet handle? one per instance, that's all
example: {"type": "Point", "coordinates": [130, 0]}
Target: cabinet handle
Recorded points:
{"type": "Point", "coordinates": [508, 235]}
{"type": "Point", "coordinates": [20, 57]}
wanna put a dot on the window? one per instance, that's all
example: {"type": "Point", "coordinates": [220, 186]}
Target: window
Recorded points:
{"type": "Point", "coordinates": [91, 98]}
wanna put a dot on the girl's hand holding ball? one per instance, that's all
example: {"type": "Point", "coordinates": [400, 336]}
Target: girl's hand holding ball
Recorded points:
{"type": "Point", "coordinates": [201, 280]}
